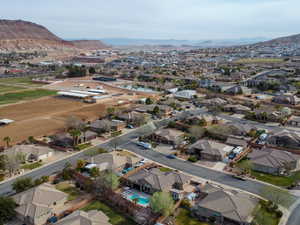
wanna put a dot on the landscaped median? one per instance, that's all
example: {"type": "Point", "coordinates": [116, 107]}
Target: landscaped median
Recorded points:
{"type": "Point", "coordinates": [9, 98]}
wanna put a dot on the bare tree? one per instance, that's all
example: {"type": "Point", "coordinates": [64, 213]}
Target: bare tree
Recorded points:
{"type": "Point", "coordinates": [12, 163]}
{"type": "Point", "coordinates": [74, 122]}
{"type": "Point", "coordinates": [105, 125]}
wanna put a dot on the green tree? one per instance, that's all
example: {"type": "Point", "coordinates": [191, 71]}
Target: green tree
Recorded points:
{"type": "Point", "coordinates": [7, 140]}
{"type": "Point", "coordinates": [95, 172]}
{"type": "Point", "coordinates": [7, 209]}
{"type": "Point", "coordinates": [111, 180]}
{"type": "Point", "coordinates": [156, 110]}
{"type": "Point", "coordinates": [162, 202]}
{"type": "Point", "coordinates": [202, 122]}
{"type": "Point", "coordinates": [31, 139]}
{"type": "Point", "coordinates": [149, 101]}
{"type": "Point", "coordinates": [41, 180]}
{"type": "Point", "coordinates": [75, 133]}
{"type": "Point", "coordinates": [2, 162]}
{"type": "Point", "coordinates": [92, 70]}
{"type": "Point", "coordinates": [110, 111]}
{"type": "Point", "coordinates": [80, 164]}
{"type": "Point", "coordinates": [196, 132]}
{"type": "Point", "coordinates": [22, 184]}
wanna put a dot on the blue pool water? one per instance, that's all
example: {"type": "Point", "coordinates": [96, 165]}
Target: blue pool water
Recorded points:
{"type": "Point", "coordinates": [141, 200]}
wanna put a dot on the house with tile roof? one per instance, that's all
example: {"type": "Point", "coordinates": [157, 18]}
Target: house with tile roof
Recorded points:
{"type": "Point", "coordinates": [284, 138]}
{"type": "Point", "coordinates": [273, 161]}
{"type": "Point", "coordinates": [168, 136]}
{"type": "Point", "coordinates": [38, 204]}
{"type": "Point", "coordinates": [224, 206]}
{"type": "Point", "coordinates": [154, 180]}
{"type": "Point", "coordinates": [209, 150]}
{"type": "Point", "coordinates": [79, 217]}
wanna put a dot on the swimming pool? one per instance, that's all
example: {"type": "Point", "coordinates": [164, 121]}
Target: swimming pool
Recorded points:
{"type": "Point", "coordinates": [142, 200]}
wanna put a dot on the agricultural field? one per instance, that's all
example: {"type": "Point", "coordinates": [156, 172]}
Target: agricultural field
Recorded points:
{"type": "Point", "coordinates": [14, 97]}
{"type": "Point", "coordinates": [259, 60]}
{"type": "Point", "coordinates": [6, 88]}
{"type": "Point", "coordinates": [46, 116]}
{"type": "Point", "coordinates": [22, 81]}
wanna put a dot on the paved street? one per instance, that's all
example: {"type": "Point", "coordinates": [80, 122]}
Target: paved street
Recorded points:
{"type": "Point", "coordinates": [196, 170]}
{"type": "Point", "coordinates": [125, 141]}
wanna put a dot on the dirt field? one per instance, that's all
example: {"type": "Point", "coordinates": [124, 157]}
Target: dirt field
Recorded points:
{"type": "Point", "coordinates": [47, 115]}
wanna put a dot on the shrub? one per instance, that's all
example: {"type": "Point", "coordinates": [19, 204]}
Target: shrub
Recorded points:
{"type": "Point", "coordinates": [192, 158]}
{"type": "Point", "coordinates": [278, 213]}
{"type": "Point", "coordinates": [185, 203]}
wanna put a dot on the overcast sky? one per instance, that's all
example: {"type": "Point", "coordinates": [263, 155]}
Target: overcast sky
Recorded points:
{"type": "Point", "coordinates": [159, 19]}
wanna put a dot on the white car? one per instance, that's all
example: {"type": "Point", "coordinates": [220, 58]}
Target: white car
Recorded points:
{"type": "Point", "coordinates": [144, 161]}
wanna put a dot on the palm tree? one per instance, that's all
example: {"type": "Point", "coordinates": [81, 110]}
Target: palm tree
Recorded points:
{"type": "Point", "coordinates": [7, 140]}
{"type": "Point", "coordinates": [75, 133]}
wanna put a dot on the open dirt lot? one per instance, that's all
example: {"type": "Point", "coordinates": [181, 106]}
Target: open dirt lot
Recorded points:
{"type": "Point", "coordinates": [47, 115]}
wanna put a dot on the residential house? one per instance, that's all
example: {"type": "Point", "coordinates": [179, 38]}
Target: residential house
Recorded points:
{"type": "Point", "coordinates": [101, 126]}
{"type": "Point", "coordinates": [238, 90]}
{"type": "Point", "coordinates": [289, 99]}
{"type": "Point", "coordinates": [214, 102]}
{"type": "Point", "coordinates": [168, 136]}
{"type": "Point", "coordinates": [154, 180]}
{"type": "Point", "coordinates": [134, 118]}
{"type": "Point", "coordinates": [206, 83]}
{"type": "Point", "coordinates": [65, 140]}
{"type": "Point", "coordinates": [294, 121]}
{"type": "Point", "coordinates": [268, 114]}
{"type": "Point", "coordinates": [273, 161]}
{"type": "Point", "coordinates": [185, 94]}
{"type": "Point", "coordinates": [209, 119]}
{"type": "Point", "coordinates": [114, 161]}
{"type": "Point", "coordinates": [38, 204]}
{"type": "Point", "coordinates": [30, 152]}
{"type": "Point", "coordinates": [163, 109]}
{"type": "Point", "coordinates": [209, 150]}
{"type": "Point", "coordinates": [224, 206]}
{"type": "Point", "coordinates": [241, 129]}
{"type": "Point", "coordinates": [237, 141]}
{"type": "Point", "coordinates": [284, 138]}
{"type": "Point", "coordinates": [93, 217]}
{"type": "Point", "coordinates": [241, 109]}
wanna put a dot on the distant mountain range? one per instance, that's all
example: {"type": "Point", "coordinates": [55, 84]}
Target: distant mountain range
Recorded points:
{"type": "Point", "coordinates": [22, 35]}
{"type": "Point", "coordinates": [287, 40]}
{"type": "Point", "coordinates": [174, 42]}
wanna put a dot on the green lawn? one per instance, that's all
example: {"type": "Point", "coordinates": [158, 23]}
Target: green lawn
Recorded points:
{"type": "Point", "coordinates": [83, 146]}
{"type": "Point", "coordinates": [184, 218]}
{"type": "Point", "coordinates": [115, 218]}
{"type": "Point", "coordinates": [9, 98]}
{"type": "Point", "coordinates": [259, 60]}
{"type": "Point", "coordinates": [165, 169]}
{"type": "Point", "coordinates": [69, 189]}
{"type": "Point", "coordinates": [32, 166]}
{"type": "Point", "coordinates": [282, 181]}
{"type": "Point", "coordinates": [263, 217]}
{"type": "Point", "coordinates": [5, 88]}
{"type": "Point", "coordinates": [20, 80]}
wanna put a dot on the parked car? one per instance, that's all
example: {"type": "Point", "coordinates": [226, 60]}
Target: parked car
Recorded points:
{"type": "Point", "coordinates": [171, 156]}
{"type": "Point", "coordinates": [145, 145]}
{"type": "Point", "coordinates": [130, 126]}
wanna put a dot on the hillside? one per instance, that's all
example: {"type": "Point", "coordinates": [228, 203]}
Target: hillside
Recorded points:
{"type": "Point", "coordinates": [89, 44]}
{"type": "Point", "coordinates": [288, 40]}
{"type": "Point", "coordinates": [23, 35]}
